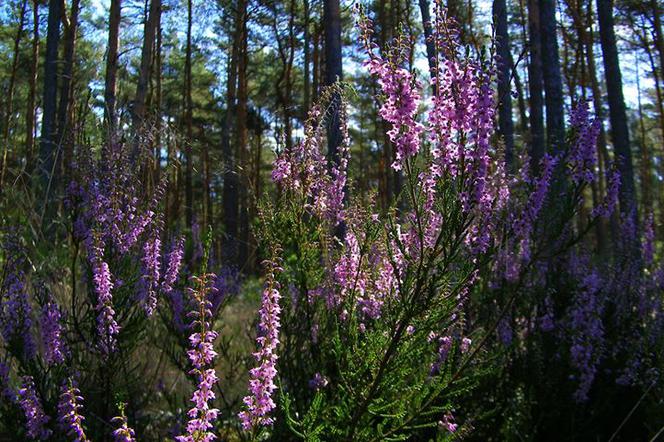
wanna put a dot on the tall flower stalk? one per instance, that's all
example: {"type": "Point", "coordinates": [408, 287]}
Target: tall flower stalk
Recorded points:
{"type": "Point", "coordinates": [260, 402]}
{"type": "Point", "coordinates": [202, 355]}
{"type": "Point", "coordinates": [69, 416]}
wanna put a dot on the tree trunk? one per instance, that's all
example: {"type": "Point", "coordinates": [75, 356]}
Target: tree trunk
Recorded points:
{"type": "Point", "coordinates": [553, 84]}
{"type": "Point", "coordinates": [48, 147]}
{"type": "Point", "coordinates": [10, 94]}
{"type": "Point", "coordinates": [428, 39]}
{"type": "Point", "coordinates": [65, 107]}
{"type": "Point", "coordinates": [505, 122]}
{"type": "Point", "coordinates": [333, 71]}
{"type": "Point", "coordinates": [307, 62]}
{"type": "Point", "coordinates": [535, 87]}
{"type": "Point", "coordinates": [139, 112]}
{"type": "Point", "coordinates": [617, 113]}
{"type": "Point", "coordinates": [230, 191]}
{"type": "Point", "coordinates": [112, 65]}
{"type": "Point", "coordinates": [189, 166]}
{"type": "Point", "coordinates": [241, 137]}
{"type": "Point", "coordinates": [32, 92]}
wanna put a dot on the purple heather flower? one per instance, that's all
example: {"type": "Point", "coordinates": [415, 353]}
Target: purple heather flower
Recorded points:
{"type": "Point", "coordinates": [173, 268]}
{"type": "Point", "coordinates": [52, 334]}
{"type": "Point", "coordinates": [124, 433]}
{"type": "Point", "coordinates": [7, 391]}
{"type": "Point", "coordinates": [261, 386]}
{"type": "Point", "coordinates": [16, 311]}
{"type": "Point", "coordinates": [151, 273]}
{"type": "Point", "coordinates": [582, 155]}
{"type": "Point", "coordinates": [33, 411]}
{"type": "Point", "coordinates": [447, 423]}
{"type": "Point", "coordinates": [202, 355]}
{"type": "Point", "coordinates": [69, 416]}
{"type": "Point", "coordinates": [318, 382]}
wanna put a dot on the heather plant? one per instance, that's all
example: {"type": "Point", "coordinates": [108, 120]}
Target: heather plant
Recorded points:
{"type": "Point", "coordinates": [451, 314]}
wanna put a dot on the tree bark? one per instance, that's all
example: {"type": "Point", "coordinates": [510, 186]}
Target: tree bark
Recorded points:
{"type": "Point", "coordinates": [505, 122]}
{"type": "Point", "coordinates": [48, 148]}
{"type": "Point", "coordinates": [139, 112]}
{"type": "Point", "coordinates": [241, 137]}
{"type": "Point", "coordinates": [112, 64]}
{"type": "Point", "coordinates": [617, 113]}
{"type": "Point", "coordinates": [307, 60]}
{"type": "Point", "coordinates": [535, 87]}
{"type": "Point", "coordinates": [333, 71]}
{"type": "Point", "coordinates": [553, 84]}
{"type": "Point", "coordinates": [428, 39]}
{"type": "Point", "coordinates": [32, 91]}
{"type": "Point", "coordinates": [65, 107]}
{"type": "Point", "coordinates": [189, 166]}
{"type": "Point", "coordinates": [230, 190]}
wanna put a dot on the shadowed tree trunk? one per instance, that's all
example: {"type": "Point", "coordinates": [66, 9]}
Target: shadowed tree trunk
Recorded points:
{"type": "Point", "coordinates": [48, 147]}
{"type": "Point", "coordinates": [505, 122]}
{"type": "Point", "coordinates": [138, 112]}
{"type": "Point", "coordinates": [230, 191]}
{"type": "Point", "coordinates": [112, 64]}
{"type": "Point", "coordinates": [241, 137]}
{"type": "Point", "coordinates": [535, 87]}
{"type": "Point", "coordinates": [189, 166]}
{"type": "Point", "coordinates": [66, 83]}
{"type": "Point", "coordinates": [307, 59]}
{"type": "Point", "coordinates": [333, 71]}
{"type": "Point", "coordinates": [617, 113]}
{"type": "Point", "coordinates": [32, 91]}
{"type": "Point", "coordinates": [553, 83]}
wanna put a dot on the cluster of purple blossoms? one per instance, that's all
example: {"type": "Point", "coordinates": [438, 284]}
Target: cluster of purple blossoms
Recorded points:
{"type": "Point", "coordinates": [52, 334]}
{"type": "Point", "coordinates": [402, 99]}
{"type": "Point", "coordinates": [16, 311]}
{"type": "Point", "coordinates": [304, 168]}
{"type": "Point", "coordinates": [123, 433]}
{"type": "Point", "coordinates": [173, 267]}
{"type": "Point", "coordinates": [107, 327]}
{"type": "Point", "coordinates": [582, 155]}
{"type": "Point", "coordinates": [261, 385]}
{"type": "Point", "coordinates": [69, 407]}
{"type": "Point", "coordinates": [35, 417]}
{"type": "Point", "coordinates": [151, 264]}
{"type": "Point", "coordinates": [587, 333]}
{"type": "Point", "coordinates": [7, 391]}
{"type": "Point", "coordinates": [447, 423]}
{"type": "Point", "coordinates": [318, 382]}
{"type": "Point", "coordinates": [608, 206]}
{"type": "Point", "coordinates": [202, 355]}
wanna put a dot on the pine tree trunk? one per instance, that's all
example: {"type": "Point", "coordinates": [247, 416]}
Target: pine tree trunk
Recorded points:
{"type": "Point", "coordinates": [139, 111]}
{"type": "Point", "coordinates": [112, 65]}
{"type": "Point", "coordinates": [65, 107]}
{"type": "Point", "coordinates": [32, 92]}
{"type": "Point", "coordinates": [535, 87]}
{"type": "Point", "coordinates": [505, 122]}
{"type": "Point", "coordinates": [230, 190]}
{"type": "Point", "coordinates": [48, 147]}
{"type": "Point", "coordinates": [333, 71]}
{"type": "Point", "coordinates": [189, 166]}
{"type": "Point", "coordinates": [617, 113]}
{"type": "Point", "coordinates": [241, 143]}
{"type": "Point", "coordinates": [553, 84]}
